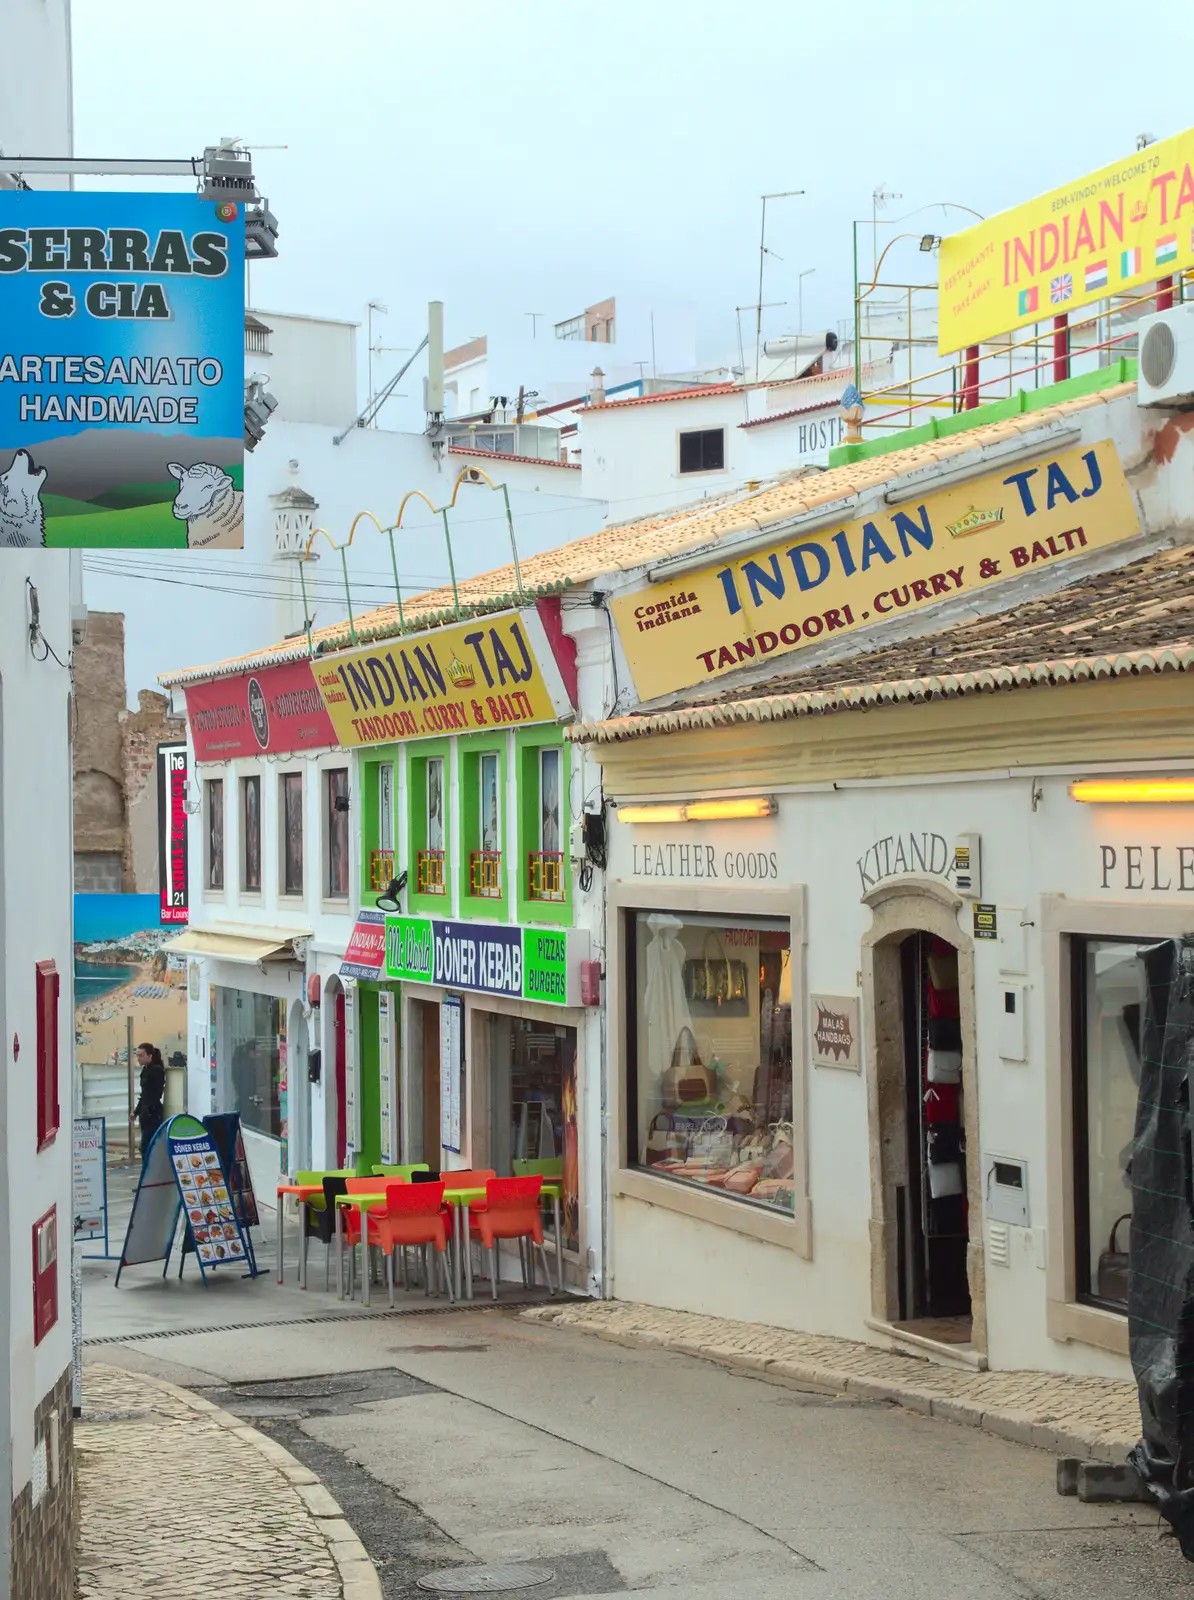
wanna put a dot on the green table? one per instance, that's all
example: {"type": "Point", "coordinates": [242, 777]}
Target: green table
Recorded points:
{"type": "Point", "coordinates": [363, 1202]}
{"type": "Point", "coordinates": [460, 1200]}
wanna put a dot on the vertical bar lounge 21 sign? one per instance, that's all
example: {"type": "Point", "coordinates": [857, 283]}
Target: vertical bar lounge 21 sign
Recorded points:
{"type": "Point", "coordinates": [121, 370]}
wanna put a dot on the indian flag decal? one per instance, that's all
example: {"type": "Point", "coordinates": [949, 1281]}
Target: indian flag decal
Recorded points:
{"type": "Point", "coordinates": [1131, 263]}
{"type": "Point", "coordinates": [1167, 249]}
{"type": "Point", "coordinates": [1095, 276]}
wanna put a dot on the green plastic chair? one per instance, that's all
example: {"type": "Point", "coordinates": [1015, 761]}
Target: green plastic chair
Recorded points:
{"type": "Point", "coordinates": [403, 1172]}
{"type": "Point", "coordinates": [317, 1202]}
{"type": "Point", "coordinates": [553, 1167]}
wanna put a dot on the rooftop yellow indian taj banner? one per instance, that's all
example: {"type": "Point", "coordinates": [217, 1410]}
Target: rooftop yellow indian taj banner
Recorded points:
{"type": "Point", "coordinates": [496, 671]}
{"type": "Point", "coordinates": [802, 589]}
{"type": "Point", "coordinates": [1126, 225]}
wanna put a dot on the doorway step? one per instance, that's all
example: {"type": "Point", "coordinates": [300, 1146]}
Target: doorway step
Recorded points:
{"type": "Point", "coordinates": [945, 1340]}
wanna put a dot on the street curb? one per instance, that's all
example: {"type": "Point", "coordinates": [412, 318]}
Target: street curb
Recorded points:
{"type": "Point", "coordinates": [1020, 1427]}
{"type": "Point", "coordinates": [358, 1575]}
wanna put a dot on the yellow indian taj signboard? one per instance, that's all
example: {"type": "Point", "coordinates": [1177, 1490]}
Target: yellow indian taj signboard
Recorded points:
{"type": "Point", "coordinates": [492, 672]}
{"type": "Point", "coordinates": [1124, 226]}
{"type": "Point", "coordinates": [808, 588]}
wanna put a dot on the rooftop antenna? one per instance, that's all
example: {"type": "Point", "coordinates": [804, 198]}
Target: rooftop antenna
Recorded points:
{"type": "Point", "coordinates": [373, 305]}
{"type": "Point", "coordinates": [534, 316]}
{"type": "Point", "coordinates": [880, 195]}
{"type": "Point", "coordinates": [782, 194]}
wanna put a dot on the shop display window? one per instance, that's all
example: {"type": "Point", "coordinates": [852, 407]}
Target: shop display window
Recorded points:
{"type": "Point", "coordinates": [1110, 986]}
{"type": "Point", "coordinates": [533, 1106]}
{"type": "Point", "coordinates": [256, 1026]}
{"type": "Point", "coordinates": [711, 1054]}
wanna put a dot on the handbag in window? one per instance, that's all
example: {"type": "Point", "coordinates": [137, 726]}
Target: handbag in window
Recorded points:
{"type": "Point", "coordinates": [1112, 1278]}
{"type": "Point", "coordinates": [687, 1080]}
{"type": "Point", "coordinates": [664, 1141]}
{"type": "Point", "coordinates": [715, 980]}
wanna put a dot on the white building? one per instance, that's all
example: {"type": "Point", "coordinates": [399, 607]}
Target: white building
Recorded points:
{"type": "Point", "coordinates": [644, 454]}
{"type": "Point", "coordinates": [550, 358]}
{"type": "Point", "coordinates": [299, 479]}
{"type": "Point", "coordinates": [296, 1019]}
{"type": "Point", "coordinates": [875, 1038]}
{"type": "Point", "coordinates": [40, 604]}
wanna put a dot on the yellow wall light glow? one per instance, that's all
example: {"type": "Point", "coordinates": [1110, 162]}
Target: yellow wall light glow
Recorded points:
{"type": "Point", "coordinates": [730, 810]}
{"type": "Point", "coordinates": [1133, 791]}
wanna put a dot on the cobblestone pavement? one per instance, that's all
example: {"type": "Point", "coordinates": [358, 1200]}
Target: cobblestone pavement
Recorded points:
{"type": "Point", "coordinates": [180, 1499]}
{"type": "Point", "coordinates": [1096, 1418]}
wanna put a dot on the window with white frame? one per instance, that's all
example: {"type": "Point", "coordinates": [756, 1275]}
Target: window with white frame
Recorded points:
{"type": "Point", "coordinates": [250, 832]}
{"type": "Point", "coordinates": [290, 821]}
{"type": "Point", "coordinates": [435, 803]}
{"type": "Point", "coordinates": [336, 790]}
{"type": "Point", "coordinates": [491, 830]}
{"type": "Point", "coordinates": [549, 799]}
{"type": "Point", "coordinates": [213, 797]}
{"type": "Point", "coordinates": [385, 807]}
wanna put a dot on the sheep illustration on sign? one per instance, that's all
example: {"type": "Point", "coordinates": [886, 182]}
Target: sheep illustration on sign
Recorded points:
{"type": "Point", "coordinates": [211, 506]}
{"type": "Point", "coordinates": [22, 520]}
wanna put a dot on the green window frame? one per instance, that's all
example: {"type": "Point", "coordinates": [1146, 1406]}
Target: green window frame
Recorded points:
{"type": "Point", "coordinates": [528, 745]}
{"type": "Point", "coordinates": [472, 752]}
{"type": "Point", "coordinates": [371, 838]}
{"type": "Point", "coordinates": [418, 756]}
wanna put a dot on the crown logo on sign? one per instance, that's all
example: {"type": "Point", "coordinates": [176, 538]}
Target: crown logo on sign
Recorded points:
{"type": "Point", "coordinates": [974, 522]}
{"type": "Point", "coordinates": [460, 676]}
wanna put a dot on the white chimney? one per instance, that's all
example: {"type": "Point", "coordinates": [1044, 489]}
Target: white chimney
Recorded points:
{"type": "Point", "coordinates": [435, 358]}
{"type": "Point", "coordinates": [597, 387]}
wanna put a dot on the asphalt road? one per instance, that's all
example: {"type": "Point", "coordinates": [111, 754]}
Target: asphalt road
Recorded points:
{"type": "Point", "coordinates": [471, 1436]}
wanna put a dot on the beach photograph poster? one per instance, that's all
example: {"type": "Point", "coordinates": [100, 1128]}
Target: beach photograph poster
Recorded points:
{"type": "Point", "coordinates": [122, 970]}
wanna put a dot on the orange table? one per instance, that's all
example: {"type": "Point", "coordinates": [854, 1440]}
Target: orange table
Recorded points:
{"type": "Point", "coordinates": [302, 1193]}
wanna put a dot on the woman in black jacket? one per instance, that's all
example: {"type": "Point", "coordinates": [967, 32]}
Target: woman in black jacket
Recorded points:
{"type": "Point", "coordinates": [150, 1108]}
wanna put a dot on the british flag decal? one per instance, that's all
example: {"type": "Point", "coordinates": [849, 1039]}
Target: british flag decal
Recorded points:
{"type": "Point", "coordinates": [1061, 288]}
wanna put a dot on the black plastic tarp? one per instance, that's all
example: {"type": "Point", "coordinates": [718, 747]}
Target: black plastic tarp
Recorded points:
{"type": "Point", "coordinates": [1161, 1277]}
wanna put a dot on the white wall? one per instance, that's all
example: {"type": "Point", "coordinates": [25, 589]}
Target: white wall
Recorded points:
{"type": "Point", "coordinates": [35, 82]}
{"type": "Point", "coordinates": [312, 368]}
{"type": "Point", "coordinates": [225, 603]}
{"type": "Point", "coordinates": [327, 923]}
{"type": "Point", "coordinates": [37, 896]}
{"type": "Point", "coordinates": [559, 369]}
{"type": "Point", "coordinates": [1028, 851]}
{"type": "Point", "coordinates": [630, 453]}
{"type": "Point", "coordinates": [36, 853]}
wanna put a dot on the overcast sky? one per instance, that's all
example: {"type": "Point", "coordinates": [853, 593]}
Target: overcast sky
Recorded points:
{"type": "Point", "coordinates": [538, 155]}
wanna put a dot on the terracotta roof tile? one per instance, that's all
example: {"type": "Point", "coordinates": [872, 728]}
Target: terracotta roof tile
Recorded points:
{"type": "Point", "coordinates": [1135, 619]}
{"type": "Point", "coordinates": [624, 546]}
{"type": "Point", "coordinates": [697, 392]}
{"type": "Point", "coordinates": [499, 455]}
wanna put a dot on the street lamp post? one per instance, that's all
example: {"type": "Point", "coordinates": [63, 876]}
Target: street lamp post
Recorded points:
{"type": "Point", "coordinates": [782, 194]}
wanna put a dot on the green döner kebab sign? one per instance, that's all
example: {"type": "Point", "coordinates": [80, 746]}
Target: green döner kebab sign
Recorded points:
{"type": "Point", "coordinates": [541, 964]}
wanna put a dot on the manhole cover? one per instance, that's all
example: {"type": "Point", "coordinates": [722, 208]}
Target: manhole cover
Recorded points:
{"type": "Point", "coordinates": [485, 1580]}
{"type": "Point", "coordinates": [300, 1389]}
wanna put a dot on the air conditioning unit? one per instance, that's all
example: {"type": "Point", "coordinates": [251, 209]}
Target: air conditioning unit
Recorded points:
{"type": "Point", "coordinates": [1167, 358]}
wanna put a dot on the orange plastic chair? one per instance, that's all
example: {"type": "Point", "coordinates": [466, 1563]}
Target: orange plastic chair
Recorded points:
{"type": "Point", "coordinates": [511, 1211]}
{"type": "Point", "coordinates": [352, 1223]}
{"type": "Point", "coordinates": [414, 1214]}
